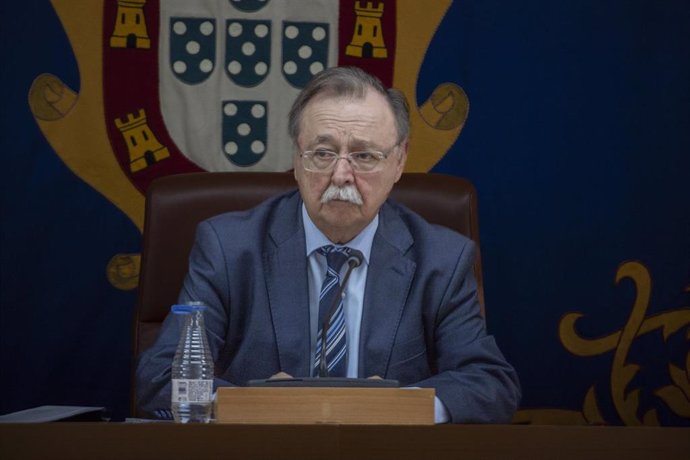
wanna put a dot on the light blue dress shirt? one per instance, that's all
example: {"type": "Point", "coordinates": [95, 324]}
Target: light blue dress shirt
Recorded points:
{"type": "Point", "coordinates": [354, 293]}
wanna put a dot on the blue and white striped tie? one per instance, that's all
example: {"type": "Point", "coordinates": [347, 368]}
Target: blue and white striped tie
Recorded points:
{"type": "Point", "coordinates": [336, 336]}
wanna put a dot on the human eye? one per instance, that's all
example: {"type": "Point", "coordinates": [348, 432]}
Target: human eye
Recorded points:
{"type": "Point", "coordinates": [365, 157]}
{"type": "Point", "coordinates": [323, 154]}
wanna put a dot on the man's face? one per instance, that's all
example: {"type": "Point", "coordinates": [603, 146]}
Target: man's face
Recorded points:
{"type": "Point", "coordinates": [345, 125]}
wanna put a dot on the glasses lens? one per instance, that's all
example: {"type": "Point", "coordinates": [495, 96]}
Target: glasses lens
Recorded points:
{"type": "Point", "coordinates": [366, 161]}
{"type": "Point", "coordinates": [319, 160]}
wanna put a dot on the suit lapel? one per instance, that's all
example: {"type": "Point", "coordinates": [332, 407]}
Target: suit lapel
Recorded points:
{"type": "Point", "coordinates": [286, 280]}
{"type": "Point", "coordinates": [389, 278]}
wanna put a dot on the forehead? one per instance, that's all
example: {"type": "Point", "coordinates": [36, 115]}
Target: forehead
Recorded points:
{"type": "Point", "coordinates": [348, 119]}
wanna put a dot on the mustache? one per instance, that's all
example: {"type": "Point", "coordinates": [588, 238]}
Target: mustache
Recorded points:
{"type": "Point", "coordinates": [347, 193]}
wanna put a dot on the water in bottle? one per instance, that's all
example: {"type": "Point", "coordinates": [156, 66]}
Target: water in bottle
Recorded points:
{"type": "Point", "coordinates": [192, 368]}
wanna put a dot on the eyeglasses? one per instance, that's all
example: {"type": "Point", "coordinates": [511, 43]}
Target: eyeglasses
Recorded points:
{"type": "Point", "coordinates": [324, 161]}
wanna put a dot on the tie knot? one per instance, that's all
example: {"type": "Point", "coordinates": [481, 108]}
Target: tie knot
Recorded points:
{"type": "Point", "coordinates": [335, 257]}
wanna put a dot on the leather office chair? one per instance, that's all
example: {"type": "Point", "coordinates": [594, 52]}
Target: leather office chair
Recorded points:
{"type": "Point", "coordinates": [176, 204]}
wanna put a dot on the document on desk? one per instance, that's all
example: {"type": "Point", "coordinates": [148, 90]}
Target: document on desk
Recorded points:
{"type": "Point", "coordinates": [43, 414]}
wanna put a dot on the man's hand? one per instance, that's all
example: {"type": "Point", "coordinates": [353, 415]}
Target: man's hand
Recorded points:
{"type": "Point", "coordinates": [285, 375]}
{"type": "Point", "coordinates": [280, 375]}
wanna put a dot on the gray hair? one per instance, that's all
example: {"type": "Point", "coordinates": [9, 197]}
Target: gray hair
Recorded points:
{"type": "Point", "coordinates": [349, 82]}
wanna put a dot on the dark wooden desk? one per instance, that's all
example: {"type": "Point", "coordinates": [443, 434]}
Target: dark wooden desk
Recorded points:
{"type": "Point", "coordinates": [246, 442]}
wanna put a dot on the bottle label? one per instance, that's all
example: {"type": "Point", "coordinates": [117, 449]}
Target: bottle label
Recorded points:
{"type": "Point", "coordinates": [192, 391]}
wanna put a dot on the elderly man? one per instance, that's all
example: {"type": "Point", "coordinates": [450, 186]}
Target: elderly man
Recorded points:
{"type": "Point", "coordinates": [410, 310]}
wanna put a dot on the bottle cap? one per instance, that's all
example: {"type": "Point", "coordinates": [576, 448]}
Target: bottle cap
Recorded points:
{"type": "Point", "coordinates": [189, 307]}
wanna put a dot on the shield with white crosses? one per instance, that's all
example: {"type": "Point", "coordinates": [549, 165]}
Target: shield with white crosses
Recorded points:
{"type": "Point", "coordinates": [249, 5]}
{"type": "Point", "coordinates": [247, 51]}
{"type": "Point", "coordinates": [192, 48]}
{"type": "Point", "coordinates": [305, 50]}
{"type": "Point", "coordinates": [244, 131]}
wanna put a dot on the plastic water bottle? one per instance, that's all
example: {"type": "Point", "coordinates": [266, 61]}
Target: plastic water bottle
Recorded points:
{"type": "Point", "coordinates": [192, 368]}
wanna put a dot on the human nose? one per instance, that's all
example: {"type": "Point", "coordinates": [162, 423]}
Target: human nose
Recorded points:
{"type": "Point", "coordinates": [342, 171]}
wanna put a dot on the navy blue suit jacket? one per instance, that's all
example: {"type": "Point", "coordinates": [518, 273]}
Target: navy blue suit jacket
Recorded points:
{"type": "Point", "coordinates": [421, 320]}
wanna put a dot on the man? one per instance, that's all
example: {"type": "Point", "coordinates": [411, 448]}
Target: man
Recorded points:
{"type": "Point", "coordinates": [410, 311]}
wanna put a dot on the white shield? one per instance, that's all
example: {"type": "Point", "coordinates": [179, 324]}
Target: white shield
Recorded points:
{"type": "Point", "coordinates": [224, 91]}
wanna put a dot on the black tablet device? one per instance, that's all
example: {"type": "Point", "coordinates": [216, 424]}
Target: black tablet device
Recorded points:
{"type": "Point", "coordinates": [336, 382]}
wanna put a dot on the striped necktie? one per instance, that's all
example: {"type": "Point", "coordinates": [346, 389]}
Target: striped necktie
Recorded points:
{"type": "Point", "coordinates": [336, 337]}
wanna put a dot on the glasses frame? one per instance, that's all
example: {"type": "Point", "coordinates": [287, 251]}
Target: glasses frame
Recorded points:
{"type": "Point", "coordinates": [382, 156]}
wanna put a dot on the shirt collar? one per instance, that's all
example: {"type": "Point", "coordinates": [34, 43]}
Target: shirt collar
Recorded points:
{"type": "Point", "coordinates": [316, 239]}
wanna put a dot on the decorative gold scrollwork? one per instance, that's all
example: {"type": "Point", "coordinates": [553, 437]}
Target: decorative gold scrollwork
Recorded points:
{"type": "Point", "coordinates": [676, 395]}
